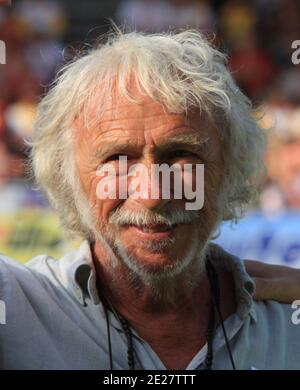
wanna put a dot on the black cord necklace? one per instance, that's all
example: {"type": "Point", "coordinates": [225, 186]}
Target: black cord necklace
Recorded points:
{"type": "Point", "coordinates": [216, 298]}
{"type": "Point", "coordinates": [215, 309]}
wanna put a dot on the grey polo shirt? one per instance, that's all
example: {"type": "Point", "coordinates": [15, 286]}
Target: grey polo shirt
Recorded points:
{"type": "Point", "coordinates": [55, 320]}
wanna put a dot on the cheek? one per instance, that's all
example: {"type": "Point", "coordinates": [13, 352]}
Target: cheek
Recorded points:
{"type": "Point", "coordinates": [213, 175]}
{"type": "Point", "coordinates": [211, 211]}
{"type": "Point", "coordinates": [102, 208]}
{"type": "Point", "coordinates": [101, 204]}
{"type": "Point", "coordinates": [89, 181]}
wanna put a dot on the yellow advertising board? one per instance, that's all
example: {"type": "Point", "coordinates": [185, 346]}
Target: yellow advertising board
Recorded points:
{"type": "Point", "coordinates": [30, 232]}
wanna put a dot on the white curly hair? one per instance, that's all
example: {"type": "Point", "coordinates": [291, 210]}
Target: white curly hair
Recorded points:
{"type": "Point", "coordinates": [180, 70]}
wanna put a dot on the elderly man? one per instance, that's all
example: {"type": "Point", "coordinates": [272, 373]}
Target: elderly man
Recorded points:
{"type": "Point", "coordinates": [147, 289]}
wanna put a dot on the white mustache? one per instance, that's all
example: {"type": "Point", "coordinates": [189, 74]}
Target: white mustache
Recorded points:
{"type": "Point", "coordinates": [166, 216]}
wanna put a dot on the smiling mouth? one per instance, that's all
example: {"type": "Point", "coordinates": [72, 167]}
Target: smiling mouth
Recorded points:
{"type": "Point", "coordinates": [153, 228]}
{"type": "Point", "coordinates": [156, 228]}
{"type": "Point", "coordinates": [153, 231]}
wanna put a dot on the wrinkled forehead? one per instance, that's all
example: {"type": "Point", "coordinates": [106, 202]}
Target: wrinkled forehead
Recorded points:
{"type": "Point", "coordinates": [120, 107]}
{"type": "Point", "coordinates": [140, 120]}
{"type": "Point", "coordinates": [116, 101]}
{"type": "Point", "coordinates": [113, 104]}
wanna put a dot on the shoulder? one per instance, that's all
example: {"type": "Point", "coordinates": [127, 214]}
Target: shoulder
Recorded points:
{"type": "Point", "coordinates": [43, 277]}
{"type": "Point", "coordinates": [16, 277]}
{"type": "Point", "coordinates": [11, 269]}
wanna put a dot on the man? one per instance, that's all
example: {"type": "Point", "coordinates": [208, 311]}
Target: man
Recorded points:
{"type": "Point", "coordinates": [147, 289]}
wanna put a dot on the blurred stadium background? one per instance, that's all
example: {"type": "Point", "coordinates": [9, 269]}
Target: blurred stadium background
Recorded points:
{"type": "Point", "coordinates": [39, 37]}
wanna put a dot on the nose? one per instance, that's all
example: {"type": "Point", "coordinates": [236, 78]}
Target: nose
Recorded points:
{"type": "Point", "coordinates": [150, 193]}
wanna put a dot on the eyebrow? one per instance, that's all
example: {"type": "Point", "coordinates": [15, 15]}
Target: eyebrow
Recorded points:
{"type": "Point", "coordinates": [189, 140]}
{"type": "Point", "coordinates": [194, 141]}
{"type": "Point", "coordinates": [107, 149]}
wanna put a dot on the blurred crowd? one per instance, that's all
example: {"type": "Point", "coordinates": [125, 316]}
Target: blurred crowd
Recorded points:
{"type": "Point", "coordinates": [31, 30]}
{"type": "Point", "coordinates": [256, 34]}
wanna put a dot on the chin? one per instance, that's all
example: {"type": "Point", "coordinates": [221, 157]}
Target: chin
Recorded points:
{"type": "Point", "coordinates": [158, 260]}
{"type": "Point", "coordinates": [163, 276]}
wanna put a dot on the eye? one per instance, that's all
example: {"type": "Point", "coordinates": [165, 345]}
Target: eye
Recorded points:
{"type": "Point", "coordinates": [115, 157]}
{"type": "Point", "coordinates": [181, 153]}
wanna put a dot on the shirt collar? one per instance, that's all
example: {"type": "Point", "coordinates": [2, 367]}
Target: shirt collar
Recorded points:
{"type": "Point", "coordinates": [80, 274]}
{"type": "Point", "coordinates": [81, 277]}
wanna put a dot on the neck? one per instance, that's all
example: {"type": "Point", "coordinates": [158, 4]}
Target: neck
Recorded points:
{"type": "Point", "coordinates": [168, 328]}
{"type": "Point", "coordinates": [179, 298]}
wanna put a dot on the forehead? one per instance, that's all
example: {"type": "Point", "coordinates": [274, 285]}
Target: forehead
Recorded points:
{"type": "Point", "coordinates": [144, 109]}
{"type": "Point", "coordinates": [145, 114]}
{"type": "Point", "coordinates": [143, 120]}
